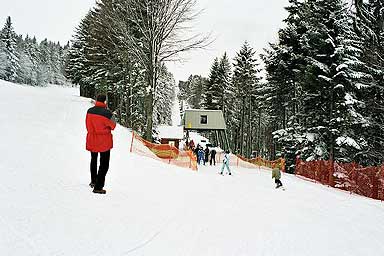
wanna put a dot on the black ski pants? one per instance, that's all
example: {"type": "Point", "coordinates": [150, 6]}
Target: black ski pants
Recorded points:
{"type": "Point", "coordinates": [278, 183]}
{"type": "Point", "coordinates": [213, 159]}
{"type": "Point", "coordinates": [98, 178]}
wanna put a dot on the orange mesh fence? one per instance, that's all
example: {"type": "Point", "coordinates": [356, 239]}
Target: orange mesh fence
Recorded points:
{"type": "Point", "coordinates": [279, 163]}
{"type": "Point", "coordinates": [365, 181]}
{"type": "Point", "coordinates": [237, 160]}
{"type": "Point", "coordinates": [163, 152]}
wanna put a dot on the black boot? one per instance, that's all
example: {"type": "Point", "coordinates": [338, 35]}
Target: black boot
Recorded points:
{"type": "Point", "coordinates": [99, 191]}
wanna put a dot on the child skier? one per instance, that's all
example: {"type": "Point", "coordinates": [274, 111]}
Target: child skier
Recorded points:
{"type": "Point", "coordinates": [277, 175]}
{"type": "Point", "coordinates": [226, 163]}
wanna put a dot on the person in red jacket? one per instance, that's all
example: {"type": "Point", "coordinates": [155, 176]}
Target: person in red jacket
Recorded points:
{"type": "Point", "coordinates": [100, 123]}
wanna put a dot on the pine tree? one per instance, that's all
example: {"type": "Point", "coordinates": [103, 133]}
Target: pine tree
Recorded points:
{"type": "Point", "coordinates": [245, 82]}
{"type": "Point", "coordinates": [211, 98]}
{"type": "Point", "coordinates": [11, 64]}
{"type": "Point", "coordinates": [226, 91]}
{"type": "Point", "coordinates": [164, 98]}
{"type": "Point", "coordinates": [369, 25]}
{"type": "Point", "coordinates": [191, 91]}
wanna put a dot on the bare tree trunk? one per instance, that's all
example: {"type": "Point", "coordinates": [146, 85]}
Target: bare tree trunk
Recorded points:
{"type": "Point", "coordinates": [242, 127]}
{"type": "Point", "coordinates": [259, 134]}
{"type": "Point", "coordinates": [249, 135]}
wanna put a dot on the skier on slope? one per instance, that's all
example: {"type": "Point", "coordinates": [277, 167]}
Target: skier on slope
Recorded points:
{"type": "Point", "coordinates": [99, 124]}
{"type": "Point", "coordinates": [277, 175]}
{"type": "Point", "coordinates": [226, 163]}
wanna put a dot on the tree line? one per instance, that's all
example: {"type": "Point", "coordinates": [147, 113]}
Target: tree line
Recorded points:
{"type": "Point", "coordinates": [323, 97]}
{"type": "Point", "coordinates": [26, 61]}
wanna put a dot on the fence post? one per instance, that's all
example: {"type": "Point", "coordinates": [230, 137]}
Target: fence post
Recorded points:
{"type": "Point", "coordinates": [133, 136]}
{"type": "Point", "coordinates": [331, 171]}
{"type": "Point", "coordinates": [375, 183]}
{"type": "Point", "coordinates": [190, 161]}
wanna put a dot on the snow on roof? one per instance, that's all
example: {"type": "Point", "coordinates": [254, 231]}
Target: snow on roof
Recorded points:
{"type": "Point", "coordinates": [202, 110]}
{"type": "Point", "coordinates": [170, 132]}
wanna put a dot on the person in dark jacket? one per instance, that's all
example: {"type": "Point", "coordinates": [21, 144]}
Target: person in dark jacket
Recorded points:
{"type": "Point", "coordinates": [99, 123]}
{"type": "Point", "coordinates": [206, 155]}
{"type": "Point", "coordinates": [213, 157]}
{"type": "Point", "coordinates": [197, 152]}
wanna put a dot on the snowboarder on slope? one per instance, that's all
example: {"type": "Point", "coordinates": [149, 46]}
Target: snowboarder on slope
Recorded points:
{"type": "Point", "coordinates": [99, 124]}
{"type": "Point", "coordinates": [226, 163]}
{"type": "Point", "coordinates": [277, 175]}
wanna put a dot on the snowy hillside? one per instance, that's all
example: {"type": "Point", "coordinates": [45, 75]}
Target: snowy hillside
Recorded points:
{"type": "Point", "coordinates": [151, 208]}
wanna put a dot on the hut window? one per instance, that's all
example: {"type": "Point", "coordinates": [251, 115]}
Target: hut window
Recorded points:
{"type": "Point", "coordinates": [203, 119]}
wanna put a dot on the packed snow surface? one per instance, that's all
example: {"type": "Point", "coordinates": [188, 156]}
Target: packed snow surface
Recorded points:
{"type": "Point", "coordinates": [151, 208]}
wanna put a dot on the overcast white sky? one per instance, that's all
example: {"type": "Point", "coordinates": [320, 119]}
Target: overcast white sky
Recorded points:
{"type": "Point", "coordinates": [230, 21]}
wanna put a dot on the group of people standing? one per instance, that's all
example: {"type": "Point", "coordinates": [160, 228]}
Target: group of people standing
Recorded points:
{"type": "Point", "coordinates": [207, 154]}
{"type": "Point", "coordinates": [203, 155]}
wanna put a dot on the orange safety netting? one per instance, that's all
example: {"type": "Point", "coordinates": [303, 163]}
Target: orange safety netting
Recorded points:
{"type": "Point", "coordinates": [365, 181]}
{"type": "Point", "coordinates": [237, 160]}
{"type": "Point", "coordinates": [163, 152]}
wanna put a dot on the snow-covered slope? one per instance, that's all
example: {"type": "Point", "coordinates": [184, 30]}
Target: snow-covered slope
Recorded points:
{"type": "Point", "coordinates": [152, 208]}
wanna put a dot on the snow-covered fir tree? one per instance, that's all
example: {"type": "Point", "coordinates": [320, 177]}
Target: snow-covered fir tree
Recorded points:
{"type": "Point", "coordinates": [11, 63]}
{"type": "Point", "coordinates": [369, 25]}
{"type": "Point", "coordinates": [191, 91]}
{"type": "Point", "coordinates": [211, 97]}
{"type": "Point", "coordinates": [245, 83]}
{"type": "Point", "coordinates": [217, 90]}
{"type": "Point", "coordinates": [164, 98]}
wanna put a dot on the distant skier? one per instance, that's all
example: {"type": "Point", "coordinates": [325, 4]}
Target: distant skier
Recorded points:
{"type": "Point", "coordinates": [277, 175]}
{"type": "Point", "coordinates": [99, 124]}
{"type": "Point", "coordinates": [206, 155]}
{"type": "Point", "coordinates": [226, 163]}
{"type": "Point", "coordinates": [213, 157]}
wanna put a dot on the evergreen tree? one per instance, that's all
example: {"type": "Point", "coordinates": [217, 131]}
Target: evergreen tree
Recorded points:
{"type": "Point", "coordinates": [369, 25]}
{"type": "Point", "coordinates": [11, 64]}
{"type": "Point", "coordinates": [191, 91]}
{"type": "Point", "coordinates": [164, 98]}
{"type": "Point", "coordinates": [218, 89]}
{"type": "Point", "coordinates": [3, 59]}
{"type": "Point", "coordinates": [226, 91]}
{"type": "Point", "coordinates": [245, 81]}
{"type": "Point", "coordinates": [211, 96]}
